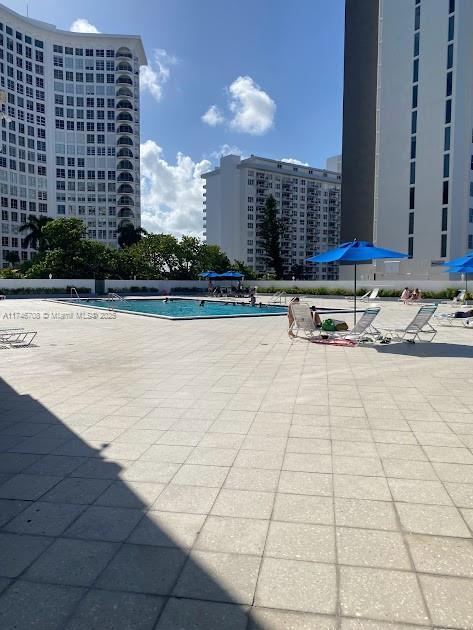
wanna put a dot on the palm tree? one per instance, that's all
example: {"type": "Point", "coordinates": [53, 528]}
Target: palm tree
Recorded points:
{"type": "Point", "coordinates": [35, 237]}
{"type": "Point", "coordinates": [129, 235]}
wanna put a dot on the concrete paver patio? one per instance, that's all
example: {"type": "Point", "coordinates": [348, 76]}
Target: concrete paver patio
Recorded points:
{"type": "Point", "coordinates": [216, 475]}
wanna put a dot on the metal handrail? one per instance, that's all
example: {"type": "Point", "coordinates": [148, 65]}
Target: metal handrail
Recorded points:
{"type": "Point", "coordinates": [278, 297]}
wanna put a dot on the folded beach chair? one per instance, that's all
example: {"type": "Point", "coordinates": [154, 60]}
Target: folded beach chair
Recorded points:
{"type": "Point", "coordinates": [419, 325]}
{"type": "Point", "coordinates": [303, 321]}
{"type": "Point", "coordinates": [17, 338]}
{"type": "Point", "coordinates": [363, 329]}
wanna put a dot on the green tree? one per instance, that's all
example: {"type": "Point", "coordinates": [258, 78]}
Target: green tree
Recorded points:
{"type": "Point", "coordinates": [188, 255]}
{"type": "Point", "coordinates": [35, 237]}
{"type": "Point", "coordinates": [128, 235]}
{"type": "Point", "coordinates": [156, 256]}
{"type": "Point", "coordinates": [12, 258]}
{"type": "Point", "coordinates": [65, 234]}
{"type": "Point", "coordinates": [212, 258]}
{"type": "Point", "coordinates": [248, 272]}
{"type": "Point", "coordinates": [270, 232]}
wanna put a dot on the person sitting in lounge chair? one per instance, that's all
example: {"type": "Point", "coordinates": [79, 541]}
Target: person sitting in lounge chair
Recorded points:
{"type": "Point", "coordinates": [315, 317]}
{"type": "Point", "coordinates": [416, 295]}
{"type": "Point", "coordinates": [405, 295]}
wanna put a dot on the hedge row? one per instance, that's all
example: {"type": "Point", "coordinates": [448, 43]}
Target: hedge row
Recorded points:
{"type": "Point", "coordinates": [392, 293]}
{"type": "Point", "coordinates": [40, 290]}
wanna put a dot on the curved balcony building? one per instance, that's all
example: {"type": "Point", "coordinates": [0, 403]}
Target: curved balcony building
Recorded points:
{"type": "Point", "coordinates": [70, 128]}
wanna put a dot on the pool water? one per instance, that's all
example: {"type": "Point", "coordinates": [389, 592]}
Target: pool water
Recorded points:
{"type": "Point", "coordinates": [184, 309]}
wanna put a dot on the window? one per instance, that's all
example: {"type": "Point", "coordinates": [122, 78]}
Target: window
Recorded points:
{"type": "Point", "coordinates": [443, 246]}
{"type": "Point", "coordinates": [451, 6]}
{"type": "Point", "coordinates": [470, 215]}
{"type": "Point", "coordinates": [410, 247]}
{"type": "Point", "coordinates": [411, 223]}
{"type": "Point", "coordinates": [449, 83]}
{"type": "Point", "coordinates": [448, 111]}
{"type": "Point", "coordinates": [417, 18]}
{"type": "Point", "coordinates": [415, 92]}
{"type": "Point", "coordinates": [416, 45]}
{"type": "Point", "coordinates": [412, 179]}
{"type": "Point", "coordinates": [470, 241]}
{"type": "Point", "coordinates": [413, 148]}
{"type": "Point", "coordinates": [444, 219]}
{"type": "Point", "coordinates": [451, 27]}
{"type": "Point", "coordinates": [446, 165]}
{"type": "Point", "coordinates": [415, 72]}
{"type": "Point", "coordinates": [412, 198]}
{"type": "Point", "coordinates": [450, 56]}
{"type": "Point", "coordinates": [414, 122]}
{"type": "Point", "coordinates": [446, 141]}
{"type": "Point", "coordinates": [445, 193]}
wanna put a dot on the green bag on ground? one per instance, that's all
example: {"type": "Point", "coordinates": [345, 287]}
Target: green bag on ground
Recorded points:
{"type": "Point", "coordinates": [328, 324]}
{"type": "Point", "coordinates": [333, 325]}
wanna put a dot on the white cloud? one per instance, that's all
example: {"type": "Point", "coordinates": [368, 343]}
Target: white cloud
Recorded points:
{"type": "Point", "coordinates": [172, 199]}
{"type": "Point", "coordinates": [253, 109]}
{"type": "Point", "coordinates": [213, 116]}
{"type": "Point", "coordinates": [226, 149]}
{"type": "Point", "coordinates": [81, 25]}
{"type": "Point", "coordinates": [155, 74]}
{"type": "Point", "coordinates": [294, 161]}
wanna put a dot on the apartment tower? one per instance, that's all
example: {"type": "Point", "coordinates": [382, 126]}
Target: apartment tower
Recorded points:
{"type": "Point", "coordinates": [70, 125]}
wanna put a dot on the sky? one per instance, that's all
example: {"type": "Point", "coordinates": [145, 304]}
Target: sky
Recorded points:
{"type": "Point", "coordinates": [223, 76]}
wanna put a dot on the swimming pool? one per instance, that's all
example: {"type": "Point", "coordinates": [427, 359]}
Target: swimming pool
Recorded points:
{"type": "Point", "coordinates": [179, 308]}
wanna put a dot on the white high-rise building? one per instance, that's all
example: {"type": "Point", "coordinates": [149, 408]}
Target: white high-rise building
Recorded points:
{"type": "Point", "coordinates": [70, 126]}
{"type": "Point", "coordinates": [308, 200]}
{"type": "Point", "coordinates": [413, 188]}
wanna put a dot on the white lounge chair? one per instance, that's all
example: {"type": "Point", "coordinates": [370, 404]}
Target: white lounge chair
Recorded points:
{"type": "Point", "coordinates": [418, 326]}
{"type": "Point", "coordinates": [302, 321]}
{"type": "Point", "coordinates": [458, 300]}
{"type": "Point", "coordinates": [17, 338]}
{"type": "Point", "coordinates": [370, 296]}
{"type": "Point", "coordinates": [363, 328]}
{"type": "Point", "coordinates": [449, 319]}
{"type": "Point", "coordinates": [361, 298]}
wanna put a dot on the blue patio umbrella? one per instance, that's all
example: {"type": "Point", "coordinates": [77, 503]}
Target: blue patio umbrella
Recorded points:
{"type": "Point", "coordinates": [231, 274]}
{"type": "Point", "coordinates": [355, 252]}
{"type": "Point", "coordinates": [466, 268]}
{"type": "Point", "coordinates": [208, 274]}
{"type": "Point", "coordinates": [459, 262]}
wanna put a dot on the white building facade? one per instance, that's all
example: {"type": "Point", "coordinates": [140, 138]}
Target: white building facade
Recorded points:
{"type": "Point", "coordinates": [70, 126]}
{"type": "Point", "coordinates": [423, 190]}
{"type": "Point", "coordinates": [308, 201]}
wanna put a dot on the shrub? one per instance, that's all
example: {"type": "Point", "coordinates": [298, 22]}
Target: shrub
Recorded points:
{"type": "Point", "coordinates": [41, 290]}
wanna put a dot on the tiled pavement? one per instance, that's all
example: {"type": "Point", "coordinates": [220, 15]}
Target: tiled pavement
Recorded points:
{"type": "Point", "coordinates": [214, 475]}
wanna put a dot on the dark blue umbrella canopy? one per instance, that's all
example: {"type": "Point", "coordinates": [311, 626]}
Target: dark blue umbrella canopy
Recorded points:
{"type": "Point", "coordinates": [231, 274]}
{"type": "Point", "coordinates": [208, 274]}
{"type": "Point", "coordinates": [355, 251]}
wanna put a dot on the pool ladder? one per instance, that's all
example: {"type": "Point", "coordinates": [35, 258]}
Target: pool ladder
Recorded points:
{"type": "Point", "coordinates": [114, 297]}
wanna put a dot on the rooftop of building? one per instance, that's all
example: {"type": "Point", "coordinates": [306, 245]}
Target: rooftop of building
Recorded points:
{"type": "Point", "coordinates": [257, 161]}
{"type": "Point", "coordinates": [70, 36]}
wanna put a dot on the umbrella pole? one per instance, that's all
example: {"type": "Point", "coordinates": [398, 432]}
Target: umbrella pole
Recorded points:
{"type": "Point", "coordinates": [354, 298]}
{"type": "Point", "coordinates": [466, 288]}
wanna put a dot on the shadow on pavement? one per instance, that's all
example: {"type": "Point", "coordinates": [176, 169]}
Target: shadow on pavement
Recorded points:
{"type": "Point", "coordinates": [79, 549]}
{"type": "Point", "coordinates": [426, 350]}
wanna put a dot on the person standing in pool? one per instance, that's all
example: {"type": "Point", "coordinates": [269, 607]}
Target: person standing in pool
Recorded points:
{"type": "Point", "coordinates": [252, 300]}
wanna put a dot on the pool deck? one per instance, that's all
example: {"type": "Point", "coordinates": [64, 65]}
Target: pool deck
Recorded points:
{"type": "Point", "coordinates": [215, 475]}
